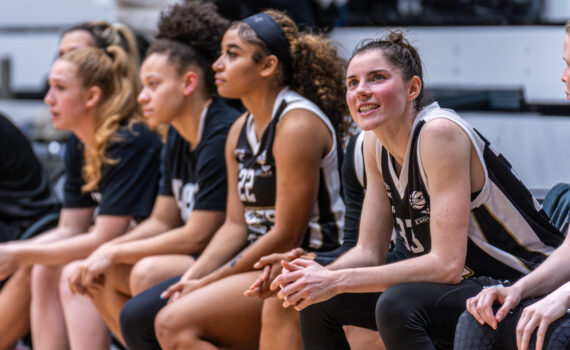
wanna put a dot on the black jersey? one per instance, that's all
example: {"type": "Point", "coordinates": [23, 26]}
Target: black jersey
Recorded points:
{"type": "Point", "coordinates": [25, 194]}
{"type": "Point", "coordinates": [126, 188]}
{"type": "Point", "coordinates": [508, 233]}
{"type": "Point", "coordinates": [257, 174]}
{"type": "Point", "coordinates": [197, 177]}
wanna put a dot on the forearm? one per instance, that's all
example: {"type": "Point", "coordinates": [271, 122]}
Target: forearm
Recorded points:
{"type": "Point", "coordinates": [225, 244]}
{"type": "Point", "coordinates": [358, 256]}
{"type": "Point", "coordinates": [550, 275]}
{"type": "Point", "coordinates": [148, 228]}
{"type": "Point", "coordinates": [425, 268]}
{"type": "Point", "coordinates": [176, 241]}
{"type": "Point", "coordinates": [56, 252]}
{"type": "Point", "coordinates": [271, 242]}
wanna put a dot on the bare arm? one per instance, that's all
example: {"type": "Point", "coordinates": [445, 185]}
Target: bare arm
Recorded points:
{"type": "Point", "coordinates": [446, 154]}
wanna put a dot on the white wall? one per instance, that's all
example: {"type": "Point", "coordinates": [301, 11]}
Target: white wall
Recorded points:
{"type": "Point", "coordinates": [527, 57]}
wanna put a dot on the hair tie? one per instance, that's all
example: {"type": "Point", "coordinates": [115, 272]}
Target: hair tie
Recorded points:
{"type": "Point", "coordinates": [272, 36]}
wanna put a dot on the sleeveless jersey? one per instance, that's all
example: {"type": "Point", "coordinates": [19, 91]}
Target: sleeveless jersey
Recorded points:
{"type": "Point", "coordinates": [508, 235]}
{"type": "Point", "coordinates": [257, 179]}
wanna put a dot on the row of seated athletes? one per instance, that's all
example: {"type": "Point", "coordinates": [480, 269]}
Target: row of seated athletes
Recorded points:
{"type": "Point", "coordinates": [244, 137]}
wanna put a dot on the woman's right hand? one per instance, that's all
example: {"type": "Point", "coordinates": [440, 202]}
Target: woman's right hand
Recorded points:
{"type": "Point", "coordinates": [271, 265]}
{"type": "Point", "coordinates": [481, 305]}
{"type": "Point", "coordinates": [94, 268]}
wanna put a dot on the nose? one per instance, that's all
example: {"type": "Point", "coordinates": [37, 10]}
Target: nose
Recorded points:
{"type": "Point", "coordinates": [48, 98]}
{"type": "Point", "coordinates": [363, 89]}
{"type": "Point", "coordinates": [218, 66]}
{"type": "Point", "coordinates": [564, 77]}
{"type": "Point", "coordinates": [143, 96]}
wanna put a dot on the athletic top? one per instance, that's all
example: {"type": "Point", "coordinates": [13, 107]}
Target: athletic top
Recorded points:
{"type": "Point", "coordinates": [197, 177]}
{"type": "Point", "coordinates": [25, 194]}
{"type": "Point", "coordinates": [508, 236]}
{"type": "Point", "coordinates": [257, 173]}
{"type": "Point", "coordinates": [126, 188]}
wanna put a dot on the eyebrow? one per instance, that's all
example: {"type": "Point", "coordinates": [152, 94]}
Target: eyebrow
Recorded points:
{"type": "Point", "coordinates": [368, 73]}
{"type": "Point", "coordinates": [234, 46]}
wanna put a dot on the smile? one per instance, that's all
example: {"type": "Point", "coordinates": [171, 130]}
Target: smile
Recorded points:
{"type": "Point", "coordinates": [367, 108]}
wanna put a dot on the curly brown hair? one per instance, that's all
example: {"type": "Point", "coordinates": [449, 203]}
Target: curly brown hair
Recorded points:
{"type": "Point", "coordinates": [317, 71]}
{"type": "Point", "coordinates": [113, 72]}
{"type": "Point", "coordinates": [399, 52]}
{"type": "Point", "coordinates": [191, 33]}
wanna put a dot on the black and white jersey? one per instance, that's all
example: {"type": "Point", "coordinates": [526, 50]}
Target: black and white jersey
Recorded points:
{"type": "Point", "coordinates": [257, 179]}
{"type": "Point", "coordinates": [197, 177]}
{"type": "Point", "coordinates": [509, 235]}
{"type": "Point", "coordinates": [126, 188]}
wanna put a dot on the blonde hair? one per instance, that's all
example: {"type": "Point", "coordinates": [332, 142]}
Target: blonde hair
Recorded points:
{"type": "Point", "coordinates": [112, 71]}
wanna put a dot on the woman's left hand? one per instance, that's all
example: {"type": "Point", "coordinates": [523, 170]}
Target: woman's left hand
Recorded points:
{"type": "Point", "coordinates": [540, 315]}
{"type": "Point", "coordinates": [181, 288]}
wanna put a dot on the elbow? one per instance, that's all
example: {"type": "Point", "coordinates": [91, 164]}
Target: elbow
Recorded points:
{"type": "Point", "coordinates": [450, 272]}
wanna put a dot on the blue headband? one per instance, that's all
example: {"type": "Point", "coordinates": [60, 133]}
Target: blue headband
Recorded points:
{"type": "Point", "coordinates": [272, 35]}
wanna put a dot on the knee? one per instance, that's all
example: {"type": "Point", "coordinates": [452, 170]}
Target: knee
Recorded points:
{"type": "Point", "coordinates": [274, 316]}
{"type": "Point", "coordinates": [395, 307]}
{"type": "Point", "coordinates": [44, 276]}
{"type": "Point", "coordinates": [142, 275]}
{"type": "Point", "coordinates": [173, 334]}
{"type": "Point", "coordinates": [66, 272]}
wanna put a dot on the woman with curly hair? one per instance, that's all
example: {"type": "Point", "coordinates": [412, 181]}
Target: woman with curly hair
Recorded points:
{"type": "Point", "coordinates": [282, 158]}
{"type": "Point", "coordinates": [177, 89]}
{"type": "Point", "coordinates": [111, 164]}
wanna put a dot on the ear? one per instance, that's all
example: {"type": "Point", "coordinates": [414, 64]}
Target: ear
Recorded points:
{"type": "Point", "coordinates": [414, 88]}
{"type": "Point", "coordinates": [93, 97]}
{"type": "Point", "coordinates": [190, 82]}
{"type": "Point", "coordinates": [269, 66]}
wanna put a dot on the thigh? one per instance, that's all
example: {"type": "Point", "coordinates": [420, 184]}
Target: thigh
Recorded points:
{"type": "Point", "coordinates": [219, 312]}
{"type": "Point", "coordinates": [153, 270]}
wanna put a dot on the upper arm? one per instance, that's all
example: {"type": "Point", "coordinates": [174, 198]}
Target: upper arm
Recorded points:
{"type": "Point", "coordinates": [76, 220]}
{"type": "Point", "coordinates": [445, 151]}
{"type": "Point", "coordinates": [376, 222]}
{"type": "Point", "coordinates": [166, 211]}
{"type": "Point", "coordinates": [301, 141]}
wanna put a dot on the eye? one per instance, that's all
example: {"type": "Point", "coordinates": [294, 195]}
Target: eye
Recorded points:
{"type": "Point", "coordinates": [350, 83]}
{"type": "Point", "coordinates": [378, 76]}
{"type": "Point", "coordinates": [231, 54]}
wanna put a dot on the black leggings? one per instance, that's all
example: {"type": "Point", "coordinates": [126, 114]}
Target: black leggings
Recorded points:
{"type": "Point", "coordinates": [408, 316]}
{"type": "Point", "coordinates": [471, 335]}
{"type": "Point", "coordinates": [138, 314]}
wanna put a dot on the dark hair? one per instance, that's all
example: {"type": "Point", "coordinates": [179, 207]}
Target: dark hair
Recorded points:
{"type": "Point", "coordinates": [191, 33]}
{"type": "Point", "coordinates": [316, 68]}
{"type": "Point", "coordinates": [105, 34]}
{"type": "Point", "coordinates": [567, 27]}
{"type": "Point", "coordinates": [399, 52]}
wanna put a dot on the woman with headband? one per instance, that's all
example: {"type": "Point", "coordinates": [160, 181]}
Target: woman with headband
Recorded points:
{"type": "Point", "coordinates": [283, 185]}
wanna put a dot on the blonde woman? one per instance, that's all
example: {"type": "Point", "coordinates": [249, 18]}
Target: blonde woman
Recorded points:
{"type": "Point", "coordinates": [111, 162]}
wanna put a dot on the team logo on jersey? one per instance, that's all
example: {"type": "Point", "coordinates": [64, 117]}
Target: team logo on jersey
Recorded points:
{"type": "Point", "coordinates": [239, 153]}
{"type": "Point", "coordinates": [417, 200]}
{"type": "Point", "coordinates": [262, 158]}
{"type": "Point", "coordinates": [266, 170]}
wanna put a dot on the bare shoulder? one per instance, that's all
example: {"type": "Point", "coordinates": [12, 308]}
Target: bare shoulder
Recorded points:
{"type": "Point", "coordinates": [443, 131]}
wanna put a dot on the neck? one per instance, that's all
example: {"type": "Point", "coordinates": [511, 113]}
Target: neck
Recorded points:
{"type": "Point", "coordinates": [396, 135]}
{"type": "Point", "coordinates": [86, 130]}
{"type": "Point", "coordinates": [260, 104]}
{"type": "Point", "coordinates": [188, 122]}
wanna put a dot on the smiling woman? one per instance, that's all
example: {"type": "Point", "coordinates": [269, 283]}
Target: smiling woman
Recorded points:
{"type": "Point", "coordinates": [454, 199]}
